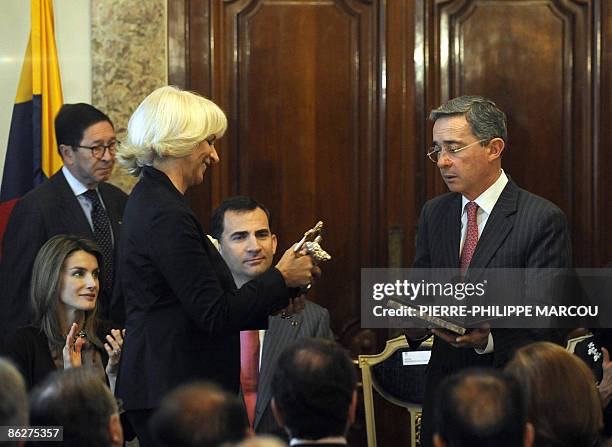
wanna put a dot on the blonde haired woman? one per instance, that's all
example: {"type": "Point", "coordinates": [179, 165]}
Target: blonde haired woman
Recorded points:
{"type": "Point", "coordinates": [183, 312]}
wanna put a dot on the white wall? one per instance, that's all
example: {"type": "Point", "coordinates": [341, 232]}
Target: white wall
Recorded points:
{"type": "Point", "coordinates": [72, 35]}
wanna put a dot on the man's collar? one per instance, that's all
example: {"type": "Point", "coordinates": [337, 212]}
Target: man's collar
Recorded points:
{"type": "Point", "coordinates": [340, 440]}
{"type": "Point", "coordinates": [77, 187]}
{"type": "Point", "coordinates": [487, 200]}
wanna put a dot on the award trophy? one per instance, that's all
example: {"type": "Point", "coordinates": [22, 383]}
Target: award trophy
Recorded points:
{"type": "Point", "coordinates": [311, 242]}
{"type": "Point", "coordinates": [310, 245]}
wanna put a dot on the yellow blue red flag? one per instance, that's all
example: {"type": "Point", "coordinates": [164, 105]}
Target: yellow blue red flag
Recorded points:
{"type": "Point", "coordinates": [32, 155]}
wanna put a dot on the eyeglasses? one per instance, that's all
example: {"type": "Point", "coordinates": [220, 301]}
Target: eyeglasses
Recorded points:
{"type": "Point", "coordinates": [435, 152]}
{"type": "Point", "coordinates": [99, 150]}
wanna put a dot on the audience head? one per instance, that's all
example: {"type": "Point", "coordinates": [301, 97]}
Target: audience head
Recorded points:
{"type": "Point", "coordinates": [242, 227]}
{"type": "Point", "coordinates": [262, 441]}
{"type": "Point", "coordinates": [171, 123]}
{"type": "Point", "coordinates": [562, 400]}
{"type": "Point", "coordinates": [65, 275]}
{"type": "Point", "coordinates": [198, 415]}
{"type": "Point", "coordinates": [313, 389]}
{"type": "Point", "coordinates": [86, 141]}
{"type": "Point", "coordinates": [82, 403]}
{"type": "Point", "coordinates": [13, 397]}
{"type": "Point", "coordinates": [481, 408]}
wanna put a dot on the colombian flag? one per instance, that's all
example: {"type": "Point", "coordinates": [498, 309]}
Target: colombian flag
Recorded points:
{"type": "Point", "coordinates": [31, 155]}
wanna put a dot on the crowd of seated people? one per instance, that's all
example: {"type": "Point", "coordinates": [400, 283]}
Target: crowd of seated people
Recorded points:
{"type": "Point", "coordinates": [545, 397]}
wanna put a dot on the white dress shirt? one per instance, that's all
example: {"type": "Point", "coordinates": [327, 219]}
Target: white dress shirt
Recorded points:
{"type": "Point", "coordinates": [79, 189]}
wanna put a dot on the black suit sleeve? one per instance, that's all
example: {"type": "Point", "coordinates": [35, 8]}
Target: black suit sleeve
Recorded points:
{"type": "Point", "coordinates": [422, 258]}
{"type": "Point", "coordinates": [25, 234]}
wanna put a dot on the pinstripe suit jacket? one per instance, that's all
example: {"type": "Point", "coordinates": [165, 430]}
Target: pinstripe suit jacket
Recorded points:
{"type": "Point", "coordinates": [313, 321]}
{"type": "Point", "coordinates": [523, 231]}
{"type": "Point", "coordinates": [44, 212]}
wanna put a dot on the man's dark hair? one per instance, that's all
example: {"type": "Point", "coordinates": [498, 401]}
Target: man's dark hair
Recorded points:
{"type": "Point", "coordinates": [480, 407]}
{"type": "Point", "coordinates": [13, 396]}
{"type": "Point", "coordinates": [80, 401]}
{"type": "Point", "coordinates": [238, 204]}
{"type": "Point", "coordinates": [486, 120]}
{"type": "Point", "coordinates": [199, 414]}
{"type": "Point", "coordinates": [73, 119]}
{"type": "Point", "coordinates": [313, 388]}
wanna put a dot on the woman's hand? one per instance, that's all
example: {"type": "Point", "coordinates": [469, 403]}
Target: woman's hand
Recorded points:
{"type": "Point", "coordinates": [113, 349]}
{"type": "Point", "coordinates": [72, 349]}
{"type": "Point", "coordinates": [297, 269]}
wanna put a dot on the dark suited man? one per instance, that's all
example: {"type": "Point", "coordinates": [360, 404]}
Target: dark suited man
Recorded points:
{"type": "Point", "coordinates": [199, 414]}
{"type": "Point", "coordinates": [246, 243]}
{"type": "Point", "coordinates": [485, 221]}
{"type": "Point", "coordinates": [481, 408]}
{"type": "Point", "coordinates": [75, 200]}
{"type": "Point", "coordinates": [314, 389]}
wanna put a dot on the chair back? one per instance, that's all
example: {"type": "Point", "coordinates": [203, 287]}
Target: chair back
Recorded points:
{"type": "Point", "coordinates": [398, 376]}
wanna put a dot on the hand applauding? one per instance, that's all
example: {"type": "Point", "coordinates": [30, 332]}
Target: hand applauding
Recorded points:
{"type": "Point", "coordinates": [113, 349]}
{"type": "Point", "coordinates": [72, 349]}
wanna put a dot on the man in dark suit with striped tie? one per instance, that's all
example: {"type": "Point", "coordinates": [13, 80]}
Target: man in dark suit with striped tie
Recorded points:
{"type": "Point", "coordinates": [246, 243]}
{"type": "Point", "coordinates": [75, 200]}
{"type": "Point", "coordinates": [485, 221]}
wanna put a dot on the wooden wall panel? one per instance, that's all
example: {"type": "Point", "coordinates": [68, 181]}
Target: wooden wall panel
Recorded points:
{"type": "Point", "coordinates": [400, 147]}
{"type": "Point", "coordinates": [602, 79]}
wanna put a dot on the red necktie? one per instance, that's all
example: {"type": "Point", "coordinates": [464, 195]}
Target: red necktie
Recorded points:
{"type": "Point", "coordinates": [471, 237]}
{"type": "Point", "coordinates": [249, 370]}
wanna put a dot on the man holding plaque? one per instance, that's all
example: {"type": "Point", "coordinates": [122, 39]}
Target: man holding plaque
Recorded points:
{"type": "Point", "coordinates": [246, 243]}
{"type": "Point", "coordinates": [485, 221]}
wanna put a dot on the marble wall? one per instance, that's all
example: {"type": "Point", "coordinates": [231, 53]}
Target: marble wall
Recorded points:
{"type": "Point", "coordinates": [129, 60]}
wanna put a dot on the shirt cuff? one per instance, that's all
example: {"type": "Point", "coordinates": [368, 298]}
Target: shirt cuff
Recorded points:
{"type": "Point", "coordinates": [489, 348]}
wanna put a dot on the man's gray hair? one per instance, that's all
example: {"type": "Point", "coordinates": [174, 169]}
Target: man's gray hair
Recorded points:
{"type": "Point", "coordinates": [13, 396]}
{"type": "Point", "coordinates": [486, 120]}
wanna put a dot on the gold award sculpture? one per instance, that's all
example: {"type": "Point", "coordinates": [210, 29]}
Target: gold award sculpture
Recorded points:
{"type": "Point", "coordinates": [311, 242]}
{"type": "Point", "coordinates": [309, 245]}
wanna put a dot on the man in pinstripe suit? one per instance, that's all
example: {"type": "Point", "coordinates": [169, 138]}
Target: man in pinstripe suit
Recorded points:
{"type": "Point", "coordinates": [507, 227]}
{"type": "Point", "coordinates": [246, 243]}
